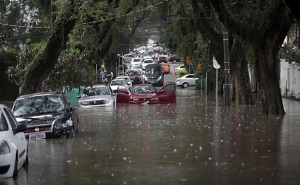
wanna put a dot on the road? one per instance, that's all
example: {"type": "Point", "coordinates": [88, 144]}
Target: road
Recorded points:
{"type": "Point", "coordinates": [195, 141]}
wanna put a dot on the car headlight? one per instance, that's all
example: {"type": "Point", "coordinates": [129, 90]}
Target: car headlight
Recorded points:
{"type": "Point", "coordinates": [145, 77]}
{"type": "Point", "coordinates": [4, 148]}
{"type": "Point", "coordinates": [83, 103]}
{"type": "Point", "coordinates": [135, 99]}
{"type": "Point", "coordinates": [154, 99]}
{"type": "Point", "coordinates": [159, 78]}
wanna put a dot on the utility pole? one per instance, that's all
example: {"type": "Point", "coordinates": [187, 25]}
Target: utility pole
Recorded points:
{"type": "Point", "coordinates": [227, 83]}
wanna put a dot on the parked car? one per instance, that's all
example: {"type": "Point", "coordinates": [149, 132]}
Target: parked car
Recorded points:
{"type": "Point", "coordinates": [136, 67]}
{"type": "Point", "coordinates": [136, 60]}
{"type": "Point", "coordinates": [146, 62]}
{"type": "Point", "coordinates": [126, 77]}
{"type": "Point", "coordinates": [13, 145]}
{"type": "Point", "coordinates": [180, 69]}
{"type": "Point", "coordinates": [128, 57]}
{"type": "Point", "coordinates": [46, 114]}
{"type": "Point", "coordinates": [98, 96]}
{"type": "Point", "coordinates": [135, 77]}
{"type": "Point", "coordinates": [186, 80]}
{"type": "Point", "coordinates": [147, 93]}
{"type": "Point", "coordinates": [114, 84]}
{"type": "Point", "coordinates": [163, 59]}
{"type": "Point", "coordinates": [154, 75]}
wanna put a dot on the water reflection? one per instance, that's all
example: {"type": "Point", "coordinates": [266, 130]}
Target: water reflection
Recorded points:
{"type": "Point", "coordinates": [190, 142]}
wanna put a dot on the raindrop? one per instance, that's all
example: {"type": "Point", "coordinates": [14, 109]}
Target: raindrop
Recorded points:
{"type": "Point", "coordinates": [124, 158]}
{"type": "Point", "coordinates": [175, 150]}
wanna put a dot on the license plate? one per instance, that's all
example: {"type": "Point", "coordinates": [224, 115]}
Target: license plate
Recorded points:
{"type": "Point", "coordinates": [37, 136]}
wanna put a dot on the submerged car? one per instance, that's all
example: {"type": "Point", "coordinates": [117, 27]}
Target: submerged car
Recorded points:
{"type": "Point", "coordinates": [114, 84]}
{"type": "Point", "coordinates": [135, 77]}
{"type": "Point", "coordinates": [147, 93]}
{"type": "Point", "coordinates": [13, 145]}
{"type": "Point", "coordinates": [126, 77]}
{"type": "Point", "coordinates": [46, 114]}
{"type": "Point", "coordinates": [98, 96]}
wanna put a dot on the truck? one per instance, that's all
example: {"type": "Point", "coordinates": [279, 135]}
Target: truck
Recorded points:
{"type": "Point", "coordinates": [154, 74]}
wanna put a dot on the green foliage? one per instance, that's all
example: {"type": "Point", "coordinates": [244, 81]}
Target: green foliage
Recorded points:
{"type": "Point", "coordinates": [16, 73]}
{"type": "Point", "coordinates": [73, 68]}
{"type": "Point", "coordinates": [290, 52]}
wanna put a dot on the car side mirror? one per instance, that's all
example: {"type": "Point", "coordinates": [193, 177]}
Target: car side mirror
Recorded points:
{"type": "Point", "coordinates": [21, 127]}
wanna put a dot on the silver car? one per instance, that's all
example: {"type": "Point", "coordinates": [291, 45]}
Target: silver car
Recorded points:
{"type": "Point", "coordinates": [98, 96]}
{"type": "Point", "coordinates": [186, 80]}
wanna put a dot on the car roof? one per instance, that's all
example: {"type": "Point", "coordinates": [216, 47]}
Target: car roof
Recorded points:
{"type": "Point", "coordinates": [99, 85]}
{"type": "Point", "coordinates": [38, 94]}
{"type": "Point", "coordinates": [120, 77]}
{"type": "Point", "coordinates": [3, 106]}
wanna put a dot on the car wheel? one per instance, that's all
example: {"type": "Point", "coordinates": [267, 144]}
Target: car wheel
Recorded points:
{"type": "Point", "coordinates": [26, 162]}
{"type": "Point", "coordinates": [15, 174]}
{"type": "Point", "coordinates": [185, 85]}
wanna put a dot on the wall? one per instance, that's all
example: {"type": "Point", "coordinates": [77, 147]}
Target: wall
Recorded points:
{"type": "Point", "coordinates": [289, 79]}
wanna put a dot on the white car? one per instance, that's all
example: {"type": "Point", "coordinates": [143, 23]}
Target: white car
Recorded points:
{"type": "Point", "coordinates": [126, 77]}
{"type": "Point", "coordinates": [13, 144]}
{"type": "Point", "coordinates": [136, 61]}
{"type": "Point", "coordinates": [146, 62]}
{"type": "Point", "coordinates": [114, 84]}
{"type": "Point", "coordinates": [98, 96]}
{"type": "Point", "coordinates": [186, 80]}
{"type": "Point", "coordinates": [136, 67]}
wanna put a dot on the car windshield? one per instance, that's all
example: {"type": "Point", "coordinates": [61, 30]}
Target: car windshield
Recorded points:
{"type": "Point", "coordinates": [38, 105]}
{"type": "Point", "coordinates": [144, 89]}
{"type": "Point", "coordinates": [155, 70]}
{"type": "Point", "coordinates": [136, 67]}
{"type": "Point", "coordinates": [118, 82]}
{"type": "Point", "coordinates": [3, 123]}
{"type": "Point", "coordinates": [96, 91]}
{"type": "Point", "coordinates": [133, 73]}
{"type": "Point", "coordinates": [148, 61]}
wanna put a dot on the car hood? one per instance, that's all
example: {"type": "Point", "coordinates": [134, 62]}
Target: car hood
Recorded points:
{"type": "Point", "coordinates": [145, 95]}
{"type": "Point", "coordinates": [4, 135]}
{"type": "Point", "coordinates": [152, 75]}
{"type": "Point", "coordinates": [35, 120]}
{"type": "Point", "coordinates": [114, 87]}
{"type": "Point", "coordinates": [89, 98]}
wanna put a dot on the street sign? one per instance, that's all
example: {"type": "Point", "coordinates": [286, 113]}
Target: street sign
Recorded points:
{"type": "Point", "coordinates": [215, 63]}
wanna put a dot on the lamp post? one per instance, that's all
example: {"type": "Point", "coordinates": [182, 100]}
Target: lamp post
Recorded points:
{"type": "Point", "coordinates": [117, 70]}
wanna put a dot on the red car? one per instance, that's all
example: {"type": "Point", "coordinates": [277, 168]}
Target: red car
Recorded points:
{"type": "Point", "coordinates": [147, 93]}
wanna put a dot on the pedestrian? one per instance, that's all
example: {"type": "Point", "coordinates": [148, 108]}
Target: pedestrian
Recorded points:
{"type": "Point", "coordinates": [109, 77]}
{"type": "Point", "coordinates": [103, 76]}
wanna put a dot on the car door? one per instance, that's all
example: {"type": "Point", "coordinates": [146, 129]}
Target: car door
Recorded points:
{"type": "Point", "coordinates": [18, 138]}
{"type": "Point", "coordinates": [123, 94]}
{"type": "Point", "coordinates": [191, 79]}
{"type": "Point", "coordinates": [167, 93]}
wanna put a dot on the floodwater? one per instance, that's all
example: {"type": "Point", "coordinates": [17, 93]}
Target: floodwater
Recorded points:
{"type": "Point", "coordinates": [195, 141]}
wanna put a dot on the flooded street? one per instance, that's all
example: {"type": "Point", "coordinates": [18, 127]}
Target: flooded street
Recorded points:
{"type": "Point", "coordinates": [195, 141]}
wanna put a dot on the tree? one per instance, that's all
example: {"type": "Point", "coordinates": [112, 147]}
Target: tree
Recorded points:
{"type": "Point", "coordinates": [262, 33]}
{"type": "Point", "coordinates": [46, 59]}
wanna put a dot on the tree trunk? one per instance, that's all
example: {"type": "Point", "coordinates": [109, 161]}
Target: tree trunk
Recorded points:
{"type": "Point", "coordinates": [45, 61]}
{"type": "Point", "coordinates": [242, 88]}
{"type": "Point", "coordinates": [268, 81]}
